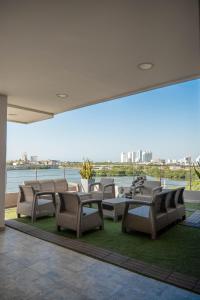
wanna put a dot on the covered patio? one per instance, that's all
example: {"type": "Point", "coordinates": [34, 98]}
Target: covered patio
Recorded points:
{"type": "Point", "coordinates": [57, 57]}
{"type": "Point", "coordinates": [47, 271]}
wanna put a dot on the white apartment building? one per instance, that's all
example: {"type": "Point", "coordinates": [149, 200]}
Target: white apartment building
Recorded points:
{"type": "Point", "coordinates": [146, 156]}
{"type": "Point", "coordinates": [34, 159]}
{"type": "Point", "coordinates": [129, 157]}
{"type": "Point", "coordinates": [139, 156]}
{"type": "Point", "coordinates": [123, 157]}
{"type": "Point", "coordinates": [24, 157]}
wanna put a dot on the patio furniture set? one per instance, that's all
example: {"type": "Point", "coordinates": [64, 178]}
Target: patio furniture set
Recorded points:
{"type": "Point", "coordinates": [150, 209]}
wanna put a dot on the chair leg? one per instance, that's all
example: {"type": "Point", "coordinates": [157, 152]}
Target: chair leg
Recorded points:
{"type": "Point", "coordinates": [18, 215]}
{"type": "Point", "coordinates": [78, 234]}
{"type": "Point", "coordinates": [33, 218]}
{"type": "Point", "coordinates": [124, 229]}
{"type": "Point", "coordinates": [58, 228]}
{"type": "Point", "coordinates": [101, 227]}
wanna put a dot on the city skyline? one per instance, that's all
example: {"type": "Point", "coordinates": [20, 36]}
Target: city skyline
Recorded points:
{"type": "Point", "coordinates": [165, 120]}
{"type": "Point", "coordinates": [138, 156]}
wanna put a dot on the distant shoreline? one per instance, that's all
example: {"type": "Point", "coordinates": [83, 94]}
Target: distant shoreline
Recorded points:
{"type": "Point", "coordinates": [40, 168]}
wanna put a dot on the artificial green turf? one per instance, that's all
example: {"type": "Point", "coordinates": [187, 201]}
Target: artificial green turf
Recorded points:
{"type": "Point", "coordinates": [177, 249]}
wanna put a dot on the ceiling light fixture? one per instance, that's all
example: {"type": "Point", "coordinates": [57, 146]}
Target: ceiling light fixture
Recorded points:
{"type": "Point", "coordinates": [145, 66]}
{"type": "Point", "coordinates": [62, 95]}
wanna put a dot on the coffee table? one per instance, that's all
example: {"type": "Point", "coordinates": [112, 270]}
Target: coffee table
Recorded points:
{"type": "Point", "coordinates": [114, 207]}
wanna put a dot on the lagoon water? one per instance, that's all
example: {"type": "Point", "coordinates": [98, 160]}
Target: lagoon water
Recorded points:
{"type": "Point", "coordinates": [17, 177]}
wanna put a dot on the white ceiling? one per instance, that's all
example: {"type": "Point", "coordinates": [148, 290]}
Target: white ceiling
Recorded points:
{"type": "Point", "coordinates": [90, 50]}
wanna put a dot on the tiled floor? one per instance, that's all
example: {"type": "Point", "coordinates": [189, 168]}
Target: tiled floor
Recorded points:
{"type": "Point", "coordinates": [34, 269]}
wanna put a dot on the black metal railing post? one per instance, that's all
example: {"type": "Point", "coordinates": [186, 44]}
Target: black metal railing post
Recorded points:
{"type": "Point", "coordinates": [190, 177]}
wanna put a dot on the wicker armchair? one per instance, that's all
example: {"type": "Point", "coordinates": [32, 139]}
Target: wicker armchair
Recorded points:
{"type": "Point", "coordinates": [105, 189]}
{"type": "Point", "coordinates": [71, 213]}
{"type": "Point", "coordinates": [147, 190]}
{"type": "Point", "coordinates": [149, 217]}
{"type": "Point", "coordinates": [33, 204]}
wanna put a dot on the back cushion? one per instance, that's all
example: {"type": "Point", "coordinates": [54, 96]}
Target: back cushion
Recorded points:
{"type": "Point", "coordinates": [46, 185]}
{"type": "Point", "coordinates": [149, 186]}
{"type": "Point", "coordinates": [159, 200]}
{"type": "Point", "coordinates": [69, 202]}
{"type": "Point", "coordinates": [27, 193]}
{"type": "Point", "coordinates": [60, 185]}
{"type": "Point", "coordinates": [34, 183]}
{"type": "Point", "coordinates": [105, 181]}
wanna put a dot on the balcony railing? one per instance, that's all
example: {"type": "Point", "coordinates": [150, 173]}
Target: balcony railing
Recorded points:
{"type": "Point", "coordinates": [170, 176]}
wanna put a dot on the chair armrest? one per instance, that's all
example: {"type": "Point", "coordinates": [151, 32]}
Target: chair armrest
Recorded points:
{"type": "Point", "coordinates": [90, 201]}
{"type": "Point", "coordinates": [158, 188]}
{"type": "Point", "coordinates": [44, 193]}
{"type": "Point", "coordinates": [108, 185]}
{"type": "Point", "coordinates": [148, 203]}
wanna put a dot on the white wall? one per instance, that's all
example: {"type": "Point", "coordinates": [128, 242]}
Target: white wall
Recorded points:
{"type": "Point", "coordinates": [3, 129]}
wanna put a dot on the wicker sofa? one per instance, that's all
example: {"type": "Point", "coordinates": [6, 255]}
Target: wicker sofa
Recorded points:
{"type": "Point", "coordinates": [152, 215]}
{"type": "Point", "coordinates": [56, 185]}
{"type": "Point", "coordinates": [39, 198]}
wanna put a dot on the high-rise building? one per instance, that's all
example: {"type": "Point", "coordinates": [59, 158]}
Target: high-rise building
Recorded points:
{"type": "Point", "coordinates": [139, 156]}
{"type": "Point", "coordinates": [34, 159]}
{"type": "Point", "coordinates": [24, 157]}
{"type": "Point", "coordinates": [134, 156]}
{"type": "Point", "coordinates": [130, 157]}
{"type": "Point", "coordinates": [146, 156]}
{"type": "Point", "coordinates": [123, 157]}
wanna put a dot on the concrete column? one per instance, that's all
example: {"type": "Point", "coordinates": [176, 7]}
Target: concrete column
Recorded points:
{"type": "Point", "coordinates": [3, 129]}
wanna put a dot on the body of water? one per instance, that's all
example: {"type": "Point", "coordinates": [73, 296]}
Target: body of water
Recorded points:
{"type": "Point", "coordinates": [17, 177]}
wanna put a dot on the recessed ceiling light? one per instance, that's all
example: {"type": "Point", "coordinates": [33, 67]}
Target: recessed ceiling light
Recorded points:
{"type": "Point", "coordinates": [62, 95]}
{"type": "Point", "coordinates": [12, 114]}
{"type": "Point", "coordinates": [145, 66]}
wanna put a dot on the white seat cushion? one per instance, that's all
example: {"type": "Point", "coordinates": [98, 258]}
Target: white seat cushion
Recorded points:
{"type": "Point", "coordinates": [43, 202]}
{"type": "Point", "coordinates": [88, 211]}
{"type": "Point", "coordinates": [142, 211]}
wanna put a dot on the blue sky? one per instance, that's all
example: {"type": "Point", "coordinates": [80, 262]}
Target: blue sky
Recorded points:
{"type": "Point", "coordinates": [165, 120]}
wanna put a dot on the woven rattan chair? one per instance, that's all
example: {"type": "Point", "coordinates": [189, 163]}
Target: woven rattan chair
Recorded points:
{"type": "Point", "coordinates": [73, 214]}
{"type": "Point", "coordinates": [149, 217]}
{"type": "Point", "coordinates": [104, 189]}
{"type": "Point", "coordinates": [147, 189]}
{"type": "Point", "coordinates": [31, 203]}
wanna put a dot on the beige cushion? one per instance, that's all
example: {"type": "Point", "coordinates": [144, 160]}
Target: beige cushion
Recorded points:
{"type": "Point", "coordinates": [46, 186]}
{"type": "Point", "coordinates": [60, 185]}
{"type": "Point", "coordinates": [34, 183]}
